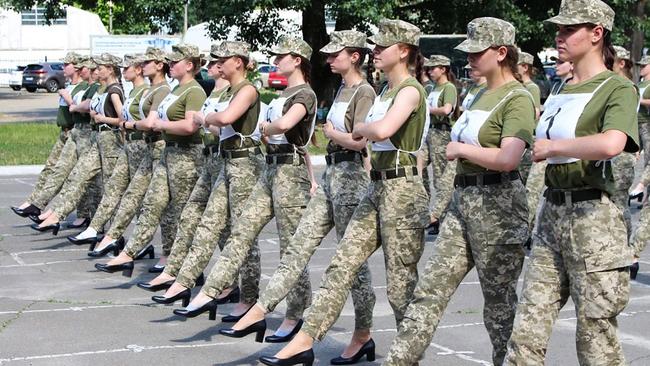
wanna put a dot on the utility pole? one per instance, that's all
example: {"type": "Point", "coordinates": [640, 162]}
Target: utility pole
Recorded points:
{"type": "Point", "coordinates": [110, 16]}
{"type": "Point", "coordinates": [187, 2]}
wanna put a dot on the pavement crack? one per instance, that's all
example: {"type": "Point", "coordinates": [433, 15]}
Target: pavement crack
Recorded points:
{"type": "Point", "coordinates": [5, 324]}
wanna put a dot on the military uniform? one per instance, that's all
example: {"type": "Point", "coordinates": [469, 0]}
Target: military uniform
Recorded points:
{"type": "Point", "coordinates": [332, 206]}
{"type": "Point", "coordinates": [282, 191]}
{"type": "Point", "coordinates": [178, 169]}
{"type": "Point", "coordinates": [135, 148]}
{"type": "Point", "coordinates": [527, 159]}
{"type": "Point", "coordinates": [106, 145]}
{"type": "Point", "coordinates": [486, 222]}
{"type": "Point", "coordinates": [580, 246]}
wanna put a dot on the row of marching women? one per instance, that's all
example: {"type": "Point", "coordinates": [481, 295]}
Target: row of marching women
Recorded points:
{"type": "Point", "coordinates": [213, 168]}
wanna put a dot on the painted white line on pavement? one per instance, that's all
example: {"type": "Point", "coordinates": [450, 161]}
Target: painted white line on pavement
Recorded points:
{"type": "Point", "coordinates": [72, 308]}
{"type": "Point", "coordinates": [9, 170]}
{"type": "Point", "coordinates": [463, 355]}
{"type": "Point", "coordinates": [129, 348]}
{"type": "Point", "coordinates": [16, 257]}
{"type": "Point", "coordinates": [50, 251]}
{"type": "Point", "coordinates": [24, 182]}
{"type": "Point", "coordinates": [42, 263]}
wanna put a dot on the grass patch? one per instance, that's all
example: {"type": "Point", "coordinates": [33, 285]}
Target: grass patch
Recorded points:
{"type": "Point", "coordinates": [26, 143]}
{"type": "Point", "coordinates": [322, 143]}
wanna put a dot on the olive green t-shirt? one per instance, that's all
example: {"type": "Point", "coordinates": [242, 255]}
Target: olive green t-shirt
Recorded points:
{"type": "Point", "coordinates": [360, 96]}
{"type": "Point", "coordinates": [613, 107]}
{"type": "Point", "coordinates": [299, 135]}
{"type": "Point", "coordinates": [448, 94]}
{"type": "Point", "coordinates": [514, 117]}
{"type": "Point", "coordinates": [109, 107]}
{"type": "Point", "coordinates": [137, 93]}
{"type": "Point", "coordinates": [533, 89]}
{"type": "Point", "coordinates": [644, 112]}
{"type": "Point", "coordinates": [88, 94]}
{"type": "Point", "coordinates": [190, 98]}
{"type": "Point", "coordinates": [409, 136]}
{"type": "Point", "coordinates": [247, 123]}
{"type": "Point", "coordinates": [64, 117]}
{"type": "Point", "coordinates": [153, 97]}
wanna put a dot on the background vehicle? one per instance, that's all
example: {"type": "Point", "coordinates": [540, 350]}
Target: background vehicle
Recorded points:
{"type": "Point", "coordinates": [276, 80]}
{"type": "Point", "coordinates": [44, 75]}
{"type": "Point", "coordinates": [268, 77]}
{"type": "Point", "coordinates": [16, 78]}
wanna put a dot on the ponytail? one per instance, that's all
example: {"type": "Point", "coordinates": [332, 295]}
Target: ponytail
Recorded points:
{"type": "Point", "coordinates": [415, 60]}
{"type": "Point", "coordinates": [305, 68]}
{"type": "Point", "coordinates": [511, 61]}
{"type": "Point", "coordinates": [609, 53]}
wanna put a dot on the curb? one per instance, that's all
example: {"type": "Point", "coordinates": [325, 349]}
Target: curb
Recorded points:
{"type": "Point", "coordinates": [10, 170]}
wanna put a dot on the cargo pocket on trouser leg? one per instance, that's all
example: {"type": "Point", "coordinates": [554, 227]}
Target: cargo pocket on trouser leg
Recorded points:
{"type": "Point", "coordinates": [607, 289]}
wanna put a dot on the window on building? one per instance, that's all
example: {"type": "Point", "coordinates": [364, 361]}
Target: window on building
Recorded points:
{"type": "Point", "coordinates": [36, 16]}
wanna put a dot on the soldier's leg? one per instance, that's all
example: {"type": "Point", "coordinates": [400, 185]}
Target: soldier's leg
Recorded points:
{"type": "Point", "coordinates": [67, 161]}
{"type": "Point", "coordinates": [534, 190]}
{"type": "Point", "coordinates": [445, 192]}
{"type": "Point", "coordinates": [525, 165]}
{"type": "Point", "coordinates": [290, 197]}
{"type": "Point", "coordinates": [438, 156]}
{"type": "Point", "coordinates": [444, 271]}
{"type": "Point", "coordinates": [644, 135]}
{"type": "Point", "coordinates": [119, 181]}
{"type": "Point", "coordinates": [51, 161]}
{"type": "Point", "coordinates": [623, 171]}
{"type": "Point", "coordinates": [425, 155]}
{"type": "Point", "coordinates": [641, 235]}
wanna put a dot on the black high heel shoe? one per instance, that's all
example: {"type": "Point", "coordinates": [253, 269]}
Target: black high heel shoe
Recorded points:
{"type": "Point", "coordinates": [35, 219]}
{"type": "Point", "coordinates": [210, 306]}
{"type": "Point", "coordinates": [200, 281]}
{"type": "Point", "coordinates": [54, 227]}
{"type": "Point", "coordinates": [306, 358]}
{"type": "Point", "coordinates": [144, 252]}
{"type": "Point", "coordinates": [281, 339]}
{"type": "Point", "coordinates": [73, 239]}
{"type": "Point", "coordinates": [638, 196]}
{"type": "Point", "coordinates": [153, 288]}
{"type": "Point", "coordinates": [114, 247]}
{"type": "Point", "coordinates": [233, 296]}
{"type": "Point", "coordinates": [235, 318]}
{"type": "Point", "coordinates": [126, 268]}
{"type": "Point", "coordinates": [634, 269]}
{"type": "Point", "coordinates": [24, 212]}
{"type": "Point", "coordinates": [368, 350]}
{"type": "Point", "coordinates": [183, 295]}
{"type": "Point", "coordinates": [156, 269]}
{"type": "Point", "coordinates": [84, 224]}
{"type": "Point", "coordinates": [259, 327]}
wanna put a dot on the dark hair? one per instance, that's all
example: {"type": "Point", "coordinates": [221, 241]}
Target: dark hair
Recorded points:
{"type": "Point", "coordinates": [609, 54]}
{"type": "Point", "coordinates": [305, 68]}
{"type": "Point", "coordinates": [196, 63]}
{"type": "Point", "coordinates": [362, 56]}
{"type": "Point", "coordinates": [415, 59]}
{"type": "Point", "coordinates": [627, 69]}
{"type": "Point", "coordinates": [370, 70]}
{"type": "Point", "coordinates": [511, 61]}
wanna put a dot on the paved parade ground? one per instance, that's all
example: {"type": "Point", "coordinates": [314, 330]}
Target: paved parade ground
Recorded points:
{"type": "Point", "coordinates": [23, 106]}
{"type": "Point", "coordinates": [55, 309]}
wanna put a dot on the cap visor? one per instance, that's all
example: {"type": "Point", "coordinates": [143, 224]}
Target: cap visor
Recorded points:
{"type": "Point", "coordinates": [380, 40]}
{"type": "Point", "coordinates": [563, 20]}
{"type": "Point", "coordinates": [332, 48]}
{"type": "Point", "coordinates": [470, 46]}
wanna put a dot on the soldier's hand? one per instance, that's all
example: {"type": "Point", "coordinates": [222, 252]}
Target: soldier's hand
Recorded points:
{"type": "Point", "coordinates": [454, 150]}
{"type": "Point", "coordinates": [157, 125]}
{"type": "Point", "coordinates": [541, 149]}
{"type": "Point", "coordinates": [198, 118]}
{"type": "Point", "coordinates": [327, 128]}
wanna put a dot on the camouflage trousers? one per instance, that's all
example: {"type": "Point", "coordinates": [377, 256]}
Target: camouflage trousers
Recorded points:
{"type": "Point", "coordinates": [485, 227]}
{"type": "Point", "coordinates": [171, 185]}
{"type": "Point", "coordinates": [50, 164]}
{"type": "Point", "coordinates": [125, 168]}
{"type": "Point", "coordinates": [580, 250]}
{"type": "Point", "coordinates": [434, 153]}
{"type": "Point", "coordinates": [331, 206]}
{"type": "Point", "coordinates": [623, 171]}
{"type": "Point", "coordinates": [282, 191]}
{"type": "Point", "coordinates": [98, 161]}
{"type": "Point", "coordinates": [534, 189]}
{"type": "Point", "coordinates": [77, 145]}
{"type": "Point", "coordinates": [525, 165]}
{"type": "Point", "coordinates": [395, 212]}
{"type": "Point", "coordinates": [132, 198]}
{"type": "Point", "coordinates": [641, 235]}
{"type": "Point", "coordinates": [644, 135]}
{"type": "Point", "coordinates": [225, 204]}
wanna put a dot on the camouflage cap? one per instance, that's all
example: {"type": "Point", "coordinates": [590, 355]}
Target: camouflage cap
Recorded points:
{"type": "Point", "coordinates": [622, 53]}
{"type": "Point", "coordinates": [437, 60]}
{"type": "Point", "coordinates": [154, 54]}
{"type": "Point", "coordinates": [483, 33]}
{"type": "Point", "coordinates": [525, 58]}
{"type": "Point", "coordinates": [182, 51]}
{"type": "Point", "coordinates": [132, 60]}
{"type": "Point", "coordinates": [584, 11]}
{"type": "Point", "coordinates": [72, 58]}
{"type": "Point", "coordinates": [393, 31]}
{"type": "Point", "coordinates": [229, 49]}
{"type": "Point", "coordinates": [88, 62]}
{"type": "Point", "coordinates": [107, 59]}
{"type": "Point", "coordinates": [294, 45]}
{"type": "Point", "coordinates": [342, 39]}
{"type": "Point", "coordinates": [645, 60]}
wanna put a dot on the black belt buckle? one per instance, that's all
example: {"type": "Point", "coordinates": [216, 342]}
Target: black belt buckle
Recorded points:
{"type": "Point", "coordinates": [341, 156]}
{"type": "Point", "coordinates": [376, 175]}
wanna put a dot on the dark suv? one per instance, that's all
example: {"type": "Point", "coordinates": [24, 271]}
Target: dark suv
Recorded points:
{"type": "Point", "coordinates": [46, 75]}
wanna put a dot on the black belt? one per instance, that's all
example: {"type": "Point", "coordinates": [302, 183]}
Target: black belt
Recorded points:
{"type": "Point", "coordinates": [151, 139]}
{"type": "Point", "coordinates": [243, 153]}
{"type": "Point", "coordinates": [282, 159]}
{"type": "Point", "coordinates": [134, 136]}
{"type": "Point", "coordinates": [340, 156]}
{"type": "Point", "coordinates": [83, 126]}
{"type": "Point", "coordinates": [392, 173]}
{"type": "Point", "coordinates": [561, 197]}
{"type": "Point", "coordinates": [441, 126]}
{"type": "Point", "coordinates": [184, 145]}
{"type": "Point", "coordinates": [210, 149]}
{"type": "Point", "coordinates": [485, 179]}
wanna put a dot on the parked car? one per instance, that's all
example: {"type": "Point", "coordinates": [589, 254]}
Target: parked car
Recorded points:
{"type": "Point", "coordinates": [44, 75]}
{"type": "Point", "coordinates": [269, 78]}
{"type": "Point", "coordinates": [16, 78]}
{"type": "Point", "coordinates": [276, 80]}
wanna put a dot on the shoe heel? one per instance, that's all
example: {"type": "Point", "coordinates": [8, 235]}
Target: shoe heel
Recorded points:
{"type": "Point", "coordinates": [116, 251]}
{"type": "Point", "coordinates": [259, 337]}
{"type": "Point", "coordinates": [370, 355]}
{"type": "Point", "coordinates": [213, 314]}
{"type": "Point", "coordinates": [127, 272]}
{"type": "Point", "coordinates": [308, 363]}
{"type": "Point", "coordinates": [151, 253]}
{"type": "Point", "coordinates": [55, 230]}
{"type": "Point", "coordinates": [186, 301]}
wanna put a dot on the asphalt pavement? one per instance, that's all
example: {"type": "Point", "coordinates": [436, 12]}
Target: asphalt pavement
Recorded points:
{"type": "Point", "coordinates": [23, 106]}
{"type": "Point", "coordinates": [55, 309]}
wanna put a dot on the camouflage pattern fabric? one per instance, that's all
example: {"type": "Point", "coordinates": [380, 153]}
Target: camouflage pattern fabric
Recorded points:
{"type": "Point", "coordinates": [154, 54]}
{"type": "Point", "coordinates": [534, 189]}
{"type": "Point", "coordinates": [483, 33]}
{"type": "Point", "coordinates": [437, 60]}
{"type": "Point", "coordinates": [574, 12]}
{"type": "Point", "coordinates": [107, 59]}
{"type": "Point", "coordinates": [525, 165]}
{"type": "Point", "coordinates": [623, 171]}
{"type": "Point", "coordinates": [230, 48]}
{"type": "Point", "coordinates": [344, 39]}
{"type": "Point", "coordinates": [644, 135]}
{"type": "Point", "coordinates": [434, 153]}
{"type": "Point", "coordinates": [183, 51]}
{"type": "Point", "coordinates": [525, 58]}
{"type": "Point", "coordinates": [393, 31]}
{"type": "Point", "coordinates": [46, 174]}
{"type": "Point", "coordinates": [291, 45]}
{"type": "Point", "coordinates": [72, 58]}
